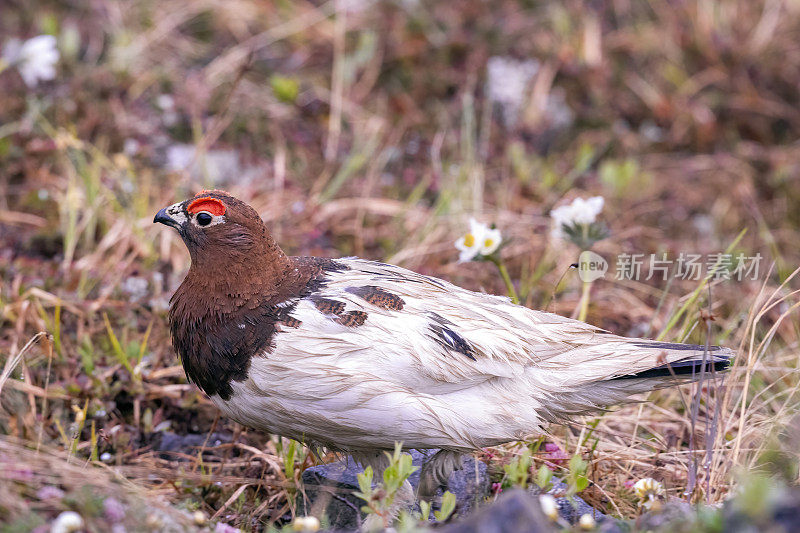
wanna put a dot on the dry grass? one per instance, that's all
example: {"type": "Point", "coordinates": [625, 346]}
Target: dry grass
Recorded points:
{"type": "Point", "coordinates": [386, 148]}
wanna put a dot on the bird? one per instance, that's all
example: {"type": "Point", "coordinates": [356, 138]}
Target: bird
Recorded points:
{"type": "Point", "coordinates": [354, 356]}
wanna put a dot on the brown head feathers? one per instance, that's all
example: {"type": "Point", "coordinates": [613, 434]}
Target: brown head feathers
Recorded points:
{"type": "Point", "coordinates": [227, 309]}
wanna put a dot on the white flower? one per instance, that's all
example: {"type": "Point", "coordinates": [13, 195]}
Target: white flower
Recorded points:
{"type": "Point", "coordinates": [506, 82]}
{"type": "Point", "coordinates": [649, 491]}
{"type": "Point", "coordinates": [306, 524]}
{"type": "Point", "coordinates": [67, 522]}
{"type": "Point", "coordinates": [225, 528]}
{"type": "Point", "coordinates": [130, 147]}
{"type": "Point", "coordinates": [587, 522]}
{"type": "Point", "coordinates": [549, 506]}
{"type": "Point", "coordinates": [481, 240]}
{"type": "Point", "coordinates": [35, 58]}
{"type": "Point", "coordinates": [579, 212]}
{"type": "Point", "coordinates": [165, 102]}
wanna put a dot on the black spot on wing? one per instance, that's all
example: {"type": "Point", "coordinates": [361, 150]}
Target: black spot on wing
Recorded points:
{"type": "Point", "coordinates": [328, 306]}
{"type": "Point", "coordinates": [323, 266]}
{"type": "Point", "coordinates": [378, 297]}
{"type": "Point", "coordinates": [291, 322]}
{"type": "Point", "coordinates": [352, 319]}
{"type": "Point", "coordinates": [448, 338]}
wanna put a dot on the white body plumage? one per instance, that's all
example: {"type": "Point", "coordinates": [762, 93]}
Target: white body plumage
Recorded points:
{"type": "Point", "coordinates": [450, 369]}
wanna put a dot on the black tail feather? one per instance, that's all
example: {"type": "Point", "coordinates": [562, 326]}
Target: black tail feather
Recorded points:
{"type": "Point", "coordinates": [685, 367]}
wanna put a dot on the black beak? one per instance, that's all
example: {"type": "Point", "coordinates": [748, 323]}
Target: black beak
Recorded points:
{"type": "Point", "coordinates": [165, 219]}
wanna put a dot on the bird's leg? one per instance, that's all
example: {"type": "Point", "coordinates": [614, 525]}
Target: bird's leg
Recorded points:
{"type": "Point", "coordinates": [436, 471]}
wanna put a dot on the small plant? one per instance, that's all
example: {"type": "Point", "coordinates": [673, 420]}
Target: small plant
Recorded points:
{"type": "Point", "coordinates": [132, 352]}
{"type": "Point", "coordinates": [291, 453]}
{"type": "Point", "coordinates": [544, 478]}
{"type": "Point", "coordinates": [576, 476]}
{"type": "Point", "coordinates": [380, 498]}
{"type": "Point", "coordinates": [444, 512]}
{"type": "Point", "coordinates": [518, 470]}
{"type": "Point", "coordinates": [623, 176]}
{"type": "Point", "coordinates": [447, 508]}
{"type": "Point", "coordinates": [577, 223]}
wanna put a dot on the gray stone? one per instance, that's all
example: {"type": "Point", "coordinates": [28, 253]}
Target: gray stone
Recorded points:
{"type": "Point", "coordinates": [515, 511]}
{"type": "Point", "coordinates": [672, 512]}
{"type": "Point", "coordinates": [778, 512]}
{"type": "Point", "coordinates": [329, 488]}
{"type": "Point", "coordinates": [171, 445]}
{"type": "Point", "coordinates": [570, 509]}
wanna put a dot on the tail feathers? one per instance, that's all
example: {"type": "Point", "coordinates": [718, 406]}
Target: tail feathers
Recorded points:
{"type": "Point", "coordinates": [686, 368]}
{"type": "Point", "coordinates": [599, 394]}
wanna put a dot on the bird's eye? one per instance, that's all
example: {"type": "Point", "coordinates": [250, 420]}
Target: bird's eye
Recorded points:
{"type": "Point", "coordinates": [204, 219]}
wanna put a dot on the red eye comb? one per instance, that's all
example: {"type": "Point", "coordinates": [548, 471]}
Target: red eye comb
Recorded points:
{"type": "Point", "coordinates": [212, 205]}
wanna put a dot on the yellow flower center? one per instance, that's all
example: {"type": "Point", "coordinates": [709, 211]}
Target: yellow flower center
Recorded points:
{"type": "Point", "coordinates": [488, 243]}
{"type": "Point", "coordinates": [469, 240]}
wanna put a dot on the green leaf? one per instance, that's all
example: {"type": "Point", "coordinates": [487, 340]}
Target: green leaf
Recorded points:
{"type": "Point", "coordinates": [365, 480]}
{"type": "Point", "coordinates": [285, 89]}
{"type": "Point", "coordinates": [543, 477]}
{"type": "Point", "coordinates": [577, 474]}
{"type": "Point", "coordinates": [584, 158]}
{"type": "Point", "coordinates": [517, 470]}
{"type": "Point", "coordinates": [577, 464]}
{"type": "Point", "coordinates": [48, 23]}
{"type": "Point", "coordinates": [448, 506]}
{"type": "Point", "coordinates": [120, 354]}
{"type": "Point", "coordinates": [425, 510]}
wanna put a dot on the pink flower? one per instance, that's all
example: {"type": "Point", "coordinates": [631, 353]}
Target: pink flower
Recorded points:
{"type": "Point", "coordinates": [554, 454]}
{"type": "Point", "coordinates": [20, 474]}
{"type": "Point", "coordinates": [49, 492]}
{"type": "Point", "coordinates": [114, 510]}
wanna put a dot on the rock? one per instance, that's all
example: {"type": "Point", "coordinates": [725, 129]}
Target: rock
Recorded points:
{"type": "Point", "coordinates": [470, 484]}
{"type": "Point", "coordinates": [671, 512]}
{"type": "Point", "coordinates": [329, 488]}
{"type": "Point", "coordinates": [572, 509]}
{"type": "Point", "coordinates": [768, 507]}
{"type": "Point", "coordinates": [171, 443]}
{"type": "Point", "coordinates": [776, 510]}
{"type": "Point", "coordinates": [518, 511]}
{"type": "Point", "coordinates": [515, 511]}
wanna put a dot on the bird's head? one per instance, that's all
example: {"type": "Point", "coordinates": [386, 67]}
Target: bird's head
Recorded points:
{"type": "Point", "coordinates": [218, 229]}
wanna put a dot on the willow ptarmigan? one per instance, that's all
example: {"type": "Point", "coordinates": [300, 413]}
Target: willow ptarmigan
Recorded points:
{"type": "Point", "coordinates": [355, 355]}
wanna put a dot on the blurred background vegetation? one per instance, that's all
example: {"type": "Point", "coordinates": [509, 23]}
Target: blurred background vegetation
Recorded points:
{"type": "Point", "coordinates": [377, 129]}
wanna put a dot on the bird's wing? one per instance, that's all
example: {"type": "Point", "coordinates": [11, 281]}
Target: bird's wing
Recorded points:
{"type": "Point", "coordinates": [434, 337]}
